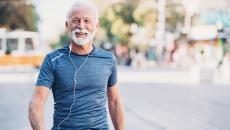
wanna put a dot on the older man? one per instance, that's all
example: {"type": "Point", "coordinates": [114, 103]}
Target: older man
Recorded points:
{"type": "Point", "coordinates": [82, 78]}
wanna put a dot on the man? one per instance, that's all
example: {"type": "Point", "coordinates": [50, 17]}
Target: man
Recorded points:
{"type": "Point", "coordinates": [82, 78]}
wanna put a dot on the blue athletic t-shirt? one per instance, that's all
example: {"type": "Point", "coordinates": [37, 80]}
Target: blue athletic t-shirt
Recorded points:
{"type": "Point", "coordinates": [97, 73]}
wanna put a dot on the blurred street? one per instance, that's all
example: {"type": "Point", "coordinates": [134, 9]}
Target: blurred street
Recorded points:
{"type": "Point", "coordinates": [173, 58]}
{"type": "Point", "coordinates": [150, 103]}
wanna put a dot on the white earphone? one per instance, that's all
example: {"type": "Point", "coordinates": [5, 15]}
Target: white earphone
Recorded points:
{"type": "Point", "coordinates": [75, 80]}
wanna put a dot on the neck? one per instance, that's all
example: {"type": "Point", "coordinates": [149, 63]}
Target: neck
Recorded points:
{"type": "Point", "coordinates": [82, 50]}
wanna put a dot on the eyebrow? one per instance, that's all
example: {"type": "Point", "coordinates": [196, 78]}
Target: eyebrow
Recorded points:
{"type": "Point", "coordinates": [86, 18]}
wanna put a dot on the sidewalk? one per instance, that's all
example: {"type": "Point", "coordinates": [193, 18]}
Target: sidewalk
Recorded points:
{"type": "Point", "coordinates": [170, 76]}
{"type": "Point", "coordinates": [128, 74]}
{"type": "Point", "coordinates": [153, 75]}
{"type": "Point", "coordinates": [125, 74]}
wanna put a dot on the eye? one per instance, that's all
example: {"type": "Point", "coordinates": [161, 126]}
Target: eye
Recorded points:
{"type": "Point", "coordinates": [87, 21]}
{"type": "Point", "coordinates": [75, 21]}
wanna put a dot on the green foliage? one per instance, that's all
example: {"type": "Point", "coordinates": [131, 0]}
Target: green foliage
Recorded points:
{"type": "Point", "coordinates": [63, 39]}
{"type": "Point", "coordinates": [18, 15]}
{"type": "Point", "coordinates": [174, 15]}
{"type": "Point", "coordinates": [117, 18]}
{"type": "Point", "coordinates": [124, 11]}
{"type": "Point", "coordinates": [145, 15]}
{"type": "Point", "coordinates": [116, 21]}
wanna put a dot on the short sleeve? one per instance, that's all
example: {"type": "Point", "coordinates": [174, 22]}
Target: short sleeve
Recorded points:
{"type": "Point", "coordinates": [113, 76]}
{"type": "Point", "coordinates": [46, 74]}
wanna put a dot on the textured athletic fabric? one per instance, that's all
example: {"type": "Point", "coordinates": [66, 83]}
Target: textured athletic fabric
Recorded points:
{"type": "Point", "coordinates": [92, 80]}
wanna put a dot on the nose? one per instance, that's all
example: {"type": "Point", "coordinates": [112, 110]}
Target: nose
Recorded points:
{"type": "Point", "coordinates": [81, 24]}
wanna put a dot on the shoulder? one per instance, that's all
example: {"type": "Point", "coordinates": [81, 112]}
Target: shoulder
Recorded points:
{"type": "Point", "coordinates": [105, 54]}
{"type": "Point", "coordinates": [57, 53]}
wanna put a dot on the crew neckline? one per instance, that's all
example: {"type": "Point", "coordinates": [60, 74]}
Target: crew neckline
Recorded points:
{"type": "Point", "coordinates": [94, 48]}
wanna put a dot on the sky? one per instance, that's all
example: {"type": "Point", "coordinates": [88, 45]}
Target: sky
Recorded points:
{"type": "Point", "coordinates": [52, 15]}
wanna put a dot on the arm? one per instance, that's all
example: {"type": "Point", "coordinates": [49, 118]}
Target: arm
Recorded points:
{"type": "Point", "coordinates": [116, 109]}
{"type": "Point", "coordinates": [36, 107]}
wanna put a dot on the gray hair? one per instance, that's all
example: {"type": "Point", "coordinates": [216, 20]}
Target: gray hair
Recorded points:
{"type": "Point", "coordinates": [86, 3]}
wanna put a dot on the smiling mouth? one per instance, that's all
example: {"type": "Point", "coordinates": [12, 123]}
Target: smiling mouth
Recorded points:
{"type": "Point", "coordinates": [82, 35]}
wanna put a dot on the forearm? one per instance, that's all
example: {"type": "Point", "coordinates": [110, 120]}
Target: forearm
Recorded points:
{"type": "Point", "coordinates": [117, 114]}
{"type": "Point", "coordinates": [36, 116]}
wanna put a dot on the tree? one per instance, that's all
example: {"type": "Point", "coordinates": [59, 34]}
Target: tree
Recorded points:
{"type": "Point", "coordinates": [18, 14]}
{"type": "Point", "coordinates": [118, 18]}
{"type": "Point", "coordinates": [116, 21]}
{"type": "Point", "coordinates": [61, 42]}
{"type": "Point", "coordinates": [174, 15]}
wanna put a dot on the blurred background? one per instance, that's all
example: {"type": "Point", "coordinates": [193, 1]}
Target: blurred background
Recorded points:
{"type": "Point", "coordinates": [173, 59]}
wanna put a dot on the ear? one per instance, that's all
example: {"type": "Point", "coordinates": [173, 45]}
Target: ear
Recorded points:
{"type": "Point", "coordinates": [97, 25]}
{"type": "Point", "coordinates": [66, 24]}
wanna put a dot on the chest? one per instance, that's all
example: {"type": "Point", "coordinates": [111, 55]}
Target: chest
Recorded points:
{"type": "Point", "coordinates": [92, 73]}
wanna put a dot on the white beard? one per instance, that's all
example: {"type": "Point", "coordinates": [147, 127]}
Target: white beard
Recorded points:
{"type": "Point", "coordinates": [82, 41]}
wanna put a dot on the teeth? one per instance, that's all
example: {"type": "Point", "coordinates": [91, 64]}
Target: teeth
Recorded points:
{"type": "Point", "coordinates": [81, 33]}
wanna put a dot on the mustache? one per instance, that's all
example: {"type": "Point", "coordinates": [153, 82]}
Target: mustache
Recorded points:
{"type": "Point", "coordinates": [80, 31]}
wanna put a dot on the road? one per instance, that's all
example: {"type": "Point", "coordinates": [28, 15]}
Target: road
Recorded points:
{"type": "Point", "coordinates": [176, 107]}
{"type": "Point", "coordinates": [155, 105]}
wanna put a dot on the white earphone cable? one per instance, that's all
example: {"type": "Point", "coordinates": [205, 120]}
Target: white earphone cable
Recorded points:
{"type": "Point", "coordinates": [75, 80]}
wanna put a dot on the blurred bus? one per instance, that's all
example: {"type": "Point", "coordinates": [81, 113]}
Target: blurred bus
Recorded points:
{"type": "Point", "coordinates": [20, 48]}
